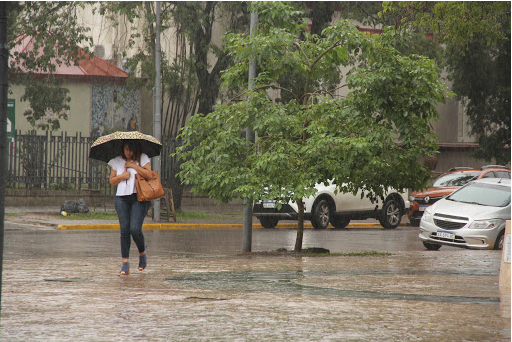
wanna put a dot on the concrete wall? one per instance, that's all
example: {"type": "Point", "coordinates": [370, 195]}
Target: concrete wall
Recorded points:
{"type": "Point", "coordinates": [79, 116]}
{"type": "Point", "coordinates": [458, 158]}
{"type": "Point", "coordinates": [114, 108]}
{"type": "Point", "coordinates": [92, 108]}
{"type": "Point", "coordinates": [48, 198]}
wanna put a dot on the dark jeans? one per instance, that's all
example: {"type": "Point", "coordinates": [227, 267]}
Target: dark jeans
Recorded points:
{"type": "Point", "coordinates": [131, 214]}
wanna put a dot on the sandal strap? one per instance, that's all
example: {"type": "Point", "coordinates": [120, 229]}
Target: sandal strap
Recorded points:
{"type": "Point", "coordinates": [125, 268]}
{"type": "Point", "coordinates": [143, 261]}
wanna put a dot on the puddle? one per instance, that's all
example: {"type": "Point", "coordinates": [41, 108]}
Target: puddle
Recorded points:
{"type": "Point", "coordinates": [288, 282]}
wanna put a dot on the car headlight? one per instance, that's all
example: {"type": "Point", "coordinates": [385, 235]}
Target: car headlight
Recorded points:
{"type": "Point", "coordinates": [412, 199]}
{"type": "Point", "coordinates": [427, 215]}
{"type": "Point", "coordinates": [486, 224]}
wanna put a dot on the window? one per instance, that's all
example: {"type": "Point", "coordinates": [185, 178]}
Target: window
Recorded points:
{"type": "Point", "coordinates": [502, 174]}
{"type": "Point", "coordinates": [483, 194]}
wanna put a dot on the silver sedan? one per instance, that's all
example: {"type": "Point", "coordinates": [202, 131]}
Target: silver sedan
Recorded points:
{"type": "Point", "coordinates": [472, 217]}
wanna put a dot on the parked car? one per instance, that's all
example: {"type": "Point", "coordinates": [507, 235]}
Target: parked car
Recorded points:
{"type": "Point", "coordinates": [330, 206]}
{"type": "Point", "coordinates": [473, 216]}
{"type": "Point", "coordinates": [448, 183]}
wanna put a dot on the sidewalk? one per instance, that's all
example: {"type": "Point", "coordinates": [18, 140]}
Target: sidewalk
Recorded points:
{"type": "Point", "coordinates": [50, 217]}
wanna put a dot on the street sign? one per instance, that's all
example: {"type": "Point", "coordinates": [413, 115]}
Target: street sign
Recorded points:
{"type": "Point", "coordinates": [11, 119]}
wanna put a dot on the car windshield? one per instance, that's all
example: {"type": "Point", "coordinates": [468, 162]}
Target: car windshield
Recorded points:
{"type": "Point", "coordinates": [484, 194]}
{"type": "Point", "coordinates": [456, 179]}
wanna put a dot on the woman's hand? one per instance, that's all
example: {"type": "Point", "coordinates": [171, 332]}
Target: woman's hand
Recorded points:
{"type": "Point", "coordinates": [131, 164]}
{"type": "Point", "coordinates": [116, 179]}
{"type": "Point", "coordinates": [125, 175]}
{"type": "Point", "coordinates": [143, 171]}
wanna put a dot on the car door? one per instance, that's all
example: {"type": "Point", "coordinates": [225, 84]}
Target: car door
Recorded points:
{"type": "Point", "coordinates": [349, 202]}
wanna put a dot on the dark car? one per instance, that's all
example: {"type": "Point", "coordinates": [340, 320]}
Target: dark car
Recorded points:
{"type": "Point", "coordinates": [448, 183]}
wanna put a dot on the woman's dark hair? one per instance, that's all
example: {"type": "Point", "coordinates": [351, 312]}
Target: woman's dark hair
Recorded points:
{"type": "Point", "coordinates": [134, 146]}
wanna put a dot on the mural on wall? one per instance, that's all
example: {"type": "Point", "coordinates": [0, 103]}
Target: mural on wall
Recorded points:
{"type": "Point", "coordinates": [114, 109]}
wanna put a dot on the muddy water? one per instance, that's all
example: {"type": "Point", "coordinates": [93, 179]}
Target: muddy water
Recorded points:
{"type": "Point", "coordinates": [408, 296]}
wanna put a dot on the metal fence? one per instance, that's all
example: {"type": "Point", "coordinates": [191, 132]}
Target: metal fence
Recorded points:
{"type": "Point", "coordinates": [61, 162]}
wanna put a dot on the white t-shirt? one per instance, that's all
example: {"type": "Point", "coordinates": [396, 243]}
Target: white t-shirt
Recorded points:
{"type": "Point", "coordinates": [126, 187]}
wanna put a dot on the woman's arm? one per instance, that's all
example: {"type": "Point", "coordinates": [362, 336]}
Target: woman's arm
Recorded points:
{"type": "Point", "coordinates": [143, 171]}
{"type": "Point", "coordinates": [115, 179]}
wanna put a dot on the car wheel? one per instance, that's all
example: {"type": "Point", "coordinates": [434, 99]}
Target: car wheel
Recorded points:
{"type": "Point", "coordinates": [431, 246]}
{"type": "Point", "coordinates": [391, 215]}
{"type": "Point", "coordinates": [340, 222]}
{"type": "Point", "coordinates": [321, 215]}
{"type": "Point", "coordinates": [499, 240]}
{"type": "Point", "coordinates": [415, 222]}
{"type": "Point", "coordinates": [268, 222]}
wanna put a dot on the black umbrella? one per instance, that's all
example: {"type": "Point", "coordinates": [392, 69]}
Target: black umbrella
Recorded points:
{"type": "Point", "coordinates": [109, 146]}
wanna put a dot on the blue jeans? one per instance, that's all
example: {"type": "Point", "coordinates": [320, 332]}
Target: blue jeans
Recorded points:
{"type": "Point", "coordinates": [131, 214]}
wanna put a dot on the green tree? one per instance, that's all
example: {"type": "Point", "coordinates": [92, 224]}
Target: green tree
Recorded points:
{"type": "Point", "coordinates": [371, 140]}
{"type": "Point", "coordinates": [55, 34]}
{"type": "Point", "coordinates": [475, 42]}
{"type": "Point", "coordinates": [190, 75]}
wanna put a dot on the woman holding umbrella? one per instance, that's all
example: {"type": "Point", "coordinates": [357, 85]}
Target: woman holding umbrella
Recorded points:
{"type": "Point", "coordinates": [133, 152]}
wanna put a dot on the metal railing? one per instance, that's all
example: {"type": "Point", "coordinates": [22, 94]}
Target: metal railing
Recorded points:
{"type": "Point", "coordinates": [61, 162]}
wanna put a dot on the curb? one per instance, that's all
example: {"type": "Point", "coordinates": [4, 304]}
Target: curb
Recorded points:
{"type": "Point", "coordinates": [163, 226]}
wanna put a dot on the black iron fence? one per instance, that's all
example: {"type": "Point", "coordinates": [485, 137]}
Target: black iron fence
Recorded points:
{"type": "Point", "coordinates": [61, 162]}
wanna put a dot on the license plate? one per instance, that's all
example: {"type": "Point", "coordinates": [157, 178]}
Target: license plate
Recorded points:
{"type": "Point", "coordinates": [269, 205]}
{"type": "Point", "coordinates": [446, 235]}
{"type": "Point", "coordinates": [423, 208]}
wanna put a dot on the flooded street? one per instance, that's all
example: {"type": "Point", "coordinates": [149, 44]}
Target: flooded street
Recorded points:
{"type": "Point", "coordinates": [65, 286]}
{"type": "Point", "coordinates": [212, 241]}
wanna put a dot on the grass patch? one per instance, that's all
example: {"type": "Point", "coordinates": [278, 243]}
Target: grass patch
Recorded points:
{"type": "Point", "coordinates": [183, 215]}
{"type": "Point", "coordinates": [199, 215]}
{"type": "Point", "coordinates": [92, 215]}
{"type": "Point", "coordinates": [13, 214]}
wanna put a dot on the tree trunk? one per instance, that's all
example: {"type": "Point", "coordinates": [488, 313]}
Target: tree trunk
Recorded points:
{"type": "Point", "coordinates": [300, 226]}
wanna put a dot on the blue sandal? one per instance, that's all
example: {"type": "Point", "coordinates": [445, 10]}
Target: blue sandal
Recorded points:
{"type": "Point", "coordinates": [143, 261]}
{"type": "Point", "coordinates": [125, 270]}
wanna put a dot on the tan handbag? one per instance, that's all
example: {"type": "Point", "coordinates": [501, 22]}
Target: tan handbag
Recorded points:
{"type": "Point", "coordinates": [148, 189]}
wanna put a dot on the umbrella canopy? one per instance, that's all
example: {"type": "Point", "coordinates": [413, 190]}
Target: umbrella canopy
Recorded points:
{"type": "Point", "coordinates": [109, 146]}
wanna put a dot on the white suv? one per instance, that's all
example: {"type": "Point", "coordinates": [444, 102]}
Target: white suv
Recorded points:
{"type": "Point", "coordinates": [337, 208]}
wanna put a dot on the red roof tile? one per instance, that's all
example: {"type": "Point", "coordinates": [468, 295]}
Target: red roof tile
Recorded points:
{"type": "Point", "coordinates": [94, 67]}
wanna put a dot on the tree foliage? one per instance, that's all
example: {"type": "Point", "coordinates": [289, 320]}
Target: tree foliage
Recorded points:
{"type": "Point", "coordinates": [55, 32]}
{"type": "Point", "coordinates": [191, 69]}
{"type": "Point", "coordinates": [371, 140]}
{"type": "Point", "coordinates": [475, 39]}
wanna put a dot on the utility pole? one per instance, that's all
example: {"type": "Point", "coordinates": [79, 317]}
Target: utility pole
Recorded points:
{"type": "Point", "coordinates": [249, 135]}
{"type": "Point", "coordinates": [4, 60]}
{"type": "Point", "coordinates": [157, 114]}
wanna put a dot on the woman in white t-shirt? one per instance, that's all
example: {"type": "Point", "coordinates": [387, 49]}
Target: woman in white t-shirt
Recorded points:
{"type": "Point", "coordinates": [130, 211]}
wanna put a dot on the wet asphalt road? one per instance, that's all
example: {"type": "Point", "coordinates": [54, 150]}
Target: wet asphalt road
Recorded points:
{"type": "Point", "coordinates": [31, 242]}
{"type": "Point", "coordinates": [64, 285]}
